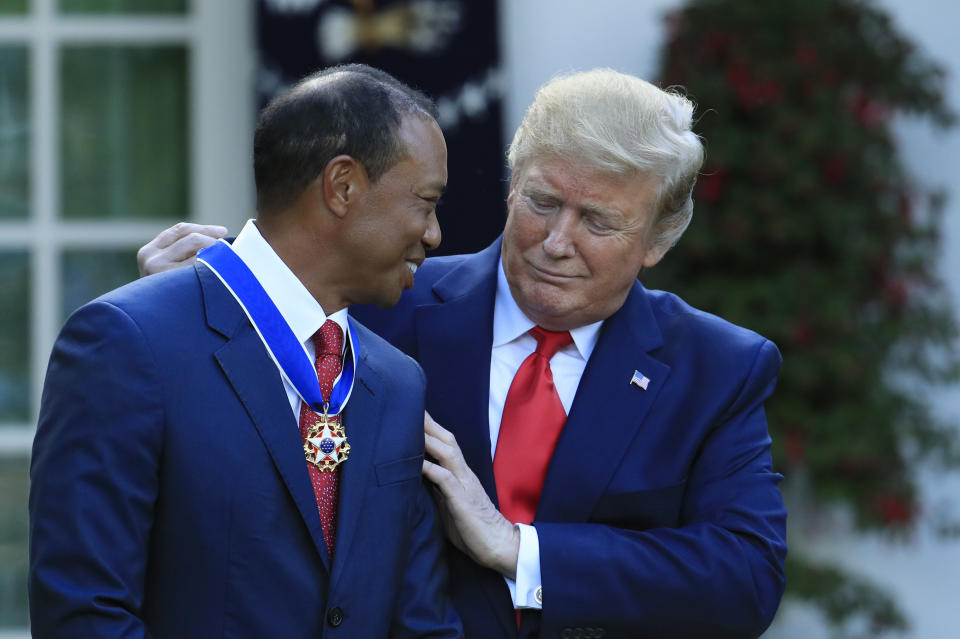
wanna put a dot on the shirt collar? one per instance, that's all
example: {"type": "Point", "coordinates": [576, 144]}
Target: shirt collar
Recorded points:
{"type": "Point", "coordinates": [295, 303]}
{"type": "Point", "coordinates": [510, 323]}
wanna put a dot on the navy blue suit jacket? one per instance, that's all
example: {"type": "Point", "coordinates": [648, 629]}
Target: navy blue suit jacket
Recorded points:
{"type": "Point", "coordinates": [170, 497]}
{"type": "Point", "coordinates": [660, 515]}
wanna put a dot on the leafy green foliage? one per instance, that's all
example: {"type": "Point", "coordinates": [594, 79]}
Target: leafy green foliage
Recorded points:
{"type": "Point", "coordinates": [809, 230]}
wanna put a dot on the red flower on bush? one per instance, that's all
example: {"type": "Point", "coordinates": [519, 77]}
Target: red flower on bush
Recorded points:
{"type": "Point", "coordinates": [710, 186]}
{"type": "Point", "coordinates": [868, 112]}
{"type": "Point", "coordinates": [835, 169]}
{"type": "Point", "coordinates": [794, 447]}
{"type": "Point", "coordinates": [802, 334]}
{"type": "Point", "coordinates": [893, 509]}
{"type": "Point", "coordinates": [895, 294]}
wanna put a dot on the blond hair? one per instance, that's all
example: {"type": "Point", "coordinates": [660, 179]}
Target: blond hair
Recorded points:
{"type": "Point", "coordinates": [621, 124]}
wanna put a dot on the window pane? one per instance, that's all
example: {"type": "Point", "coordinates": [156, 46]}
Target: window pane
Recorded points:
{"type": "Point", "coordinates": [14, 473]}
{"type": "Point", "coordinates": [90, 273]}
{"type": "Point", "coordinates": [13, 6]}
{"type": "Point", "coordinates": [14, 336]}
{"type": "Point", "coordinates": [14, 132]}
{"type": "Point", "coordinates": [123, 6]}
{"type": "Point", "coordinates": [124, 132]}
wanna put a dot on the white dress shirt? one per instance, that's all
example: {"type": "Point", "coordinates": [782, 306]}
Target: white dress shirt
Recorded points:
{"type": "Point", "coordinates": [297, 306]}
{"type": "Point", "coordinates": [511, 345]}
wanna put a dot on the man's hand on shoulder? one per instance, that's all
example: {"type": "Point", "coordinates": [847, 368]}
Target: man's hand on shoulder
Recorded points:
{"type": "Point", "coordinates": [472, 522]}
{"type": "Point", "coordinates": [176, 246]}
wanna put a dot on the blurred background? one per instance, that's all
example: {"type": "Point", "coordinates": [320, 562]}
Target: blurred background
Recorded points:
{"type": "Point", "coordinates": [827, 218]}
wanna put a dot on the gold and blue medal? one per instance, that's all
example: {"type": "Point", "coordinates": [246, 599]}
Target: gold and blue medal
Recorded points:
{"type": "Point", "coordinates": [325, 444]}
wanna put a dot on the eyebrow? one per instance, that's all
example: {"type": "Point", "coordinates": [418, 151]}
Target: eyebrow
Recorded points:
{"type": "Point", "coordinates": [596, 209]}
{"type": "Point", "coordinates": [593, 209]}
{"type": "Point", "coordinates": [438, 187]}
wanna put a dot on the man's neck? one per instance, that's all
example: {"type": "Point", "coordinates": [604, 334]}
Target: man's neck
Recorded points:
{"type": "Point", "coordinates": [303, 251]}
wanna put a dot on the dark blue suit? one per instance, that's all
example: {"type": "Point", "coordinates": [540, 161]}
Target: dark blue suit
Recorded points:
{"type": "Point", "coordinates": [660, 515]}
{"type": "Point", "coordinates": [170, 496]}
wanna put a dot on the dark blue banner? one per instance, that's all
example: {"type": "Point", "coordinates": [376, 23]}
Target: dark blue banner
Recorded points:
{"type": "Point", "coordinates": [446, 48]}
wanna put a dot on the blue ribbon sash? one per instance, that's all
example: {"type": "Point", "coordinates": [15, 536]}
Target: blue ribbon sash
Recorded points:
{"type": "Point", "coordinates": [282, 345]}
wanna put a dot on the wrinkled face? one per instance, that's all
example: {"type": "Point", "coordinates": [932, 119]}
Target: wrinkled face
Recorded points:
{"type": "Point", "coordinates": [396, 219]}
{"type": "Point", "coordinates": [575, 240]}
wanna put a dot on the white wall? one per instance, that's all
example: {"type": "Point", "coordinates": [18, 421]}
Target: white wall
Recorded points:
{"type": "Point", "coordinates": [544, 37]}
{"type": "Point", "coordinates": [224, 113]}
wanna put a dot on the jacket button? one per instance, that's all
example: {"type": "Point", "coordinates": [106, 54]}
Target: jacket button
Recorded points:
{"type": "Point", "coordinates": [335, 617]}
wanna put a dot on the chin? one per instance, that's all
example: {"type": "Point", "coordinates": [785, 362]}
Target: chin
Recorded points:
{"type": "Point", "coordinates": [387, 301]}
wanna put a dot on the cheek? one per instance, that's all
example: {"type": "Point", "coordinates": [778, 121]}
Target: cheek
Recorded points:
{"type": "Point", "coordinates": [613, 271]}
{"type": "Point", "coordinates": [524, 229]}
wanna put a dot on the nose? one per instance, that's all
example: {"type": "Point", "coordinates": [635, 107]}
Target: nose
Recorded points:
{"type": "Point", "coordinates": [560, 228]}
{"type": "Point", "coordinates": [431, 234]}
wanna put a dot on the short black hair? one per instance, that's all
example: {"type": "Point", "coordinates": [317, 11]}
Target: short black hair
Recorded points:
{"type": "Point", "coordinates": [351, 109]}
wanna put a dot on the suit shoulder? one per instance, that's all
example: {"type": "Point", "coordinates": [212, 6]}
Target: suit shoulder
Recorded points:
{"type": "Point", "coordinates": [396, 324]}
{"type": "Point", "coordinates": [390, 361]}
{"type": "Point", "coordinates": [150, 295]}
{"type": "Point", "coordinates": [432, 270]}
{"type": "Point", "coordinates": [681, 322]}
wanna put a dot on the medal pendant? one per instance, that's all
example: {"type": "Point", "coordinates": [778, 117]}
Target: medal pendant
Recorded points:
{"type": "Point", "coordinates": [325, 445]}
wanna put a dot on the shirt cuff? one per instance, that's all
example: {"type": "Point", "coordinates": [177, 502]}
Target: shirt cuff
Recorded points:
{"type": "Point", "coordinates": [525, 591]}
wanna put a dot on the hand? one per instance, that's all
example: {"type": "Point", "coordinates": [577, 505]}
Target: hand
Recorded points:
{"type": "Point", "coordinates": [177, 246]}
{"type": "Point", "coordinates": [471, 521]}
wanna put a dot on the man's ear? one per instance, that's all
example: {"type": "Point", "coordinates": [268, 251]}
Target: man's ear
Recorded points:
{"type": "Point", "coordinates": [511, 194]}
{"type": "Point", "coordinates": [344, 179]}
{"type": "Point", "coordinates": [653, 255]}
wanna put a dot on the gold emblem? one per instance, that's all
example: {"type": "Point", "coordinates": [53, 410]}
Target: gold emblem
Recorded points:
{"type": "Point", "coordinates": [325, 445]}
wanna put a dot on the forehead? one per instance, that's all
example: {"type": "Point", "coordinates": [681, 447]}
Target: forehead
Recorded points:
{"type": "Point", "coordinates": [585, 185]}
{"type": "Point", "coordinates": [426, 150]}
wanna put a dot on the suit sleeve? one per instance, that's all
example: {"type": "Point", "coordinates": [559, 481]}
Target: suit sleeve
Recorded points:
{"type": "Point", "coordinates": [94, 479]}
{"type": "Point", "coordinates": [424, 608]}
{"type": "Point", "coordinates": [719, 574]}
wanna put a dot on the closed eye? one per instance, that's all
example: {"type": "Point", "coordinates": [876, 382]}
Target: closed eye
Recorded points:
{"type": "Point", "coordinates": [542, 204]}
{"type": "Point", "coordinates": [598, 226]}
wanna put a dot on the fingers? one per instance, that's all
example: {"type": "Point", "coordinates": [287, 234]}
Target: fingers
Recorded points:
{"type": "Point", "coordinates": [181, 230]}
{"type": "Point", "coordinates": [188, 246]}
{"type": "Point", "coordinates": [447, 454]}
{"type": "Point", "coordinates": [177, 246]}
{"type": "Point", "coordinates": [436, 473]}
{"type": "Point", "coordinates": [431, 427]}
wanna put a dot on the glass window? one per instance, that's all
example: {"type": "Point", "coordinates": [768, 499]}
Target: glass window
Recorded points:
{"type": "Point", "coordinates": [123, 6]}
{"type": "Point", "coordinates": [124, 132]}
{"type": "Point", "coordinates": [14, 133]}
{"type": "Point", "coordinates": [90, 273]}
{"type": "Point", "coordinates": [14, 336]}
{"type": "Point", "coordinates": [14, 480]}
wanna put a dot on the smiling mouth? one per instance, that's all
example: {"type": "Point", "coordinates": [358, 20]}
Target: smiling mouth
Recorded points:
{"type": "Point", "coordinates": [413, 267]}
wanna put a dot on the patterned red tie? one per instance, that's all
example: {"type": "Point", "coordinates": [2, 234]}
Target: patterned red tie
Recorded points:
{"type": "Point", "coordinates": [532, 420]}
{"type": "Point", "coordinates": [328, 342]}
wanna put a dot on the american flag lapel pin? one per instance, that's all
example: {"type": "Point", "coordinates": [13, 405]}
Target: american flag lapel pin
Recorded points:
{"type": "Point", "coordinates": [640, 380]}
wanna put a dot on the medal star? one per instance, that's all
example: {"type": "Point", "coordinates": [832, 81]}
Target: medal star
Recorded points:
{"type": "Point", "coordinates": [327, 444]}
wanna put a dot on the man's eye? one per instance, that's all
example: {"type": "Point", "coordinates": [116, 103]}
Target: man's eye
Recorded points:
{"type": "Point", "coordinates": [542, 205]}
{"type": "Point", "coordinates": [598, 227]}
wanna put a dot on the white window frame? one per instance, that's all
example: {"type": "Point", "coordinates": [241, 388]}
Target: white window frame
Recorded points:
{"type": "Point", "coordinates": [218, 35]}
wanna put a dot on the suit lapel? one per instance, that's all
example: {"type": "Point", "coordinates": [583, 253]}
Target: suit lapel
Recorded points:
{"type": "Point", "coordinates": [244, 360]}
{"type": "Point", "coordinates": [454, 341]}
{"type": "Point", "coordinates": [362, 420]}
{"type": "Point", "coordinates": [606, 412]}
{"type": "Point", "coordinates": [454, 338]}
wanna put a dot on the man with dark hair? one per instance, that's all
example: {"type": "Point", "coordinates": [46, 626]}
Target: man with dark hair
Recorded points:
{"type": "Point", "coordinates": [605, 467]}
{"type": "Point", "coordinates": [221, 452]}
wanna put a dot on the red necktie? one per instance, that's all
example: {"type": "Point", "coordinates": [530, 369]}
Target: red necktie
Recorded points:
{"type": "Point", "coordinates": [328, 342]}
{"type": "Point", "coordinates": [532, 420]}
